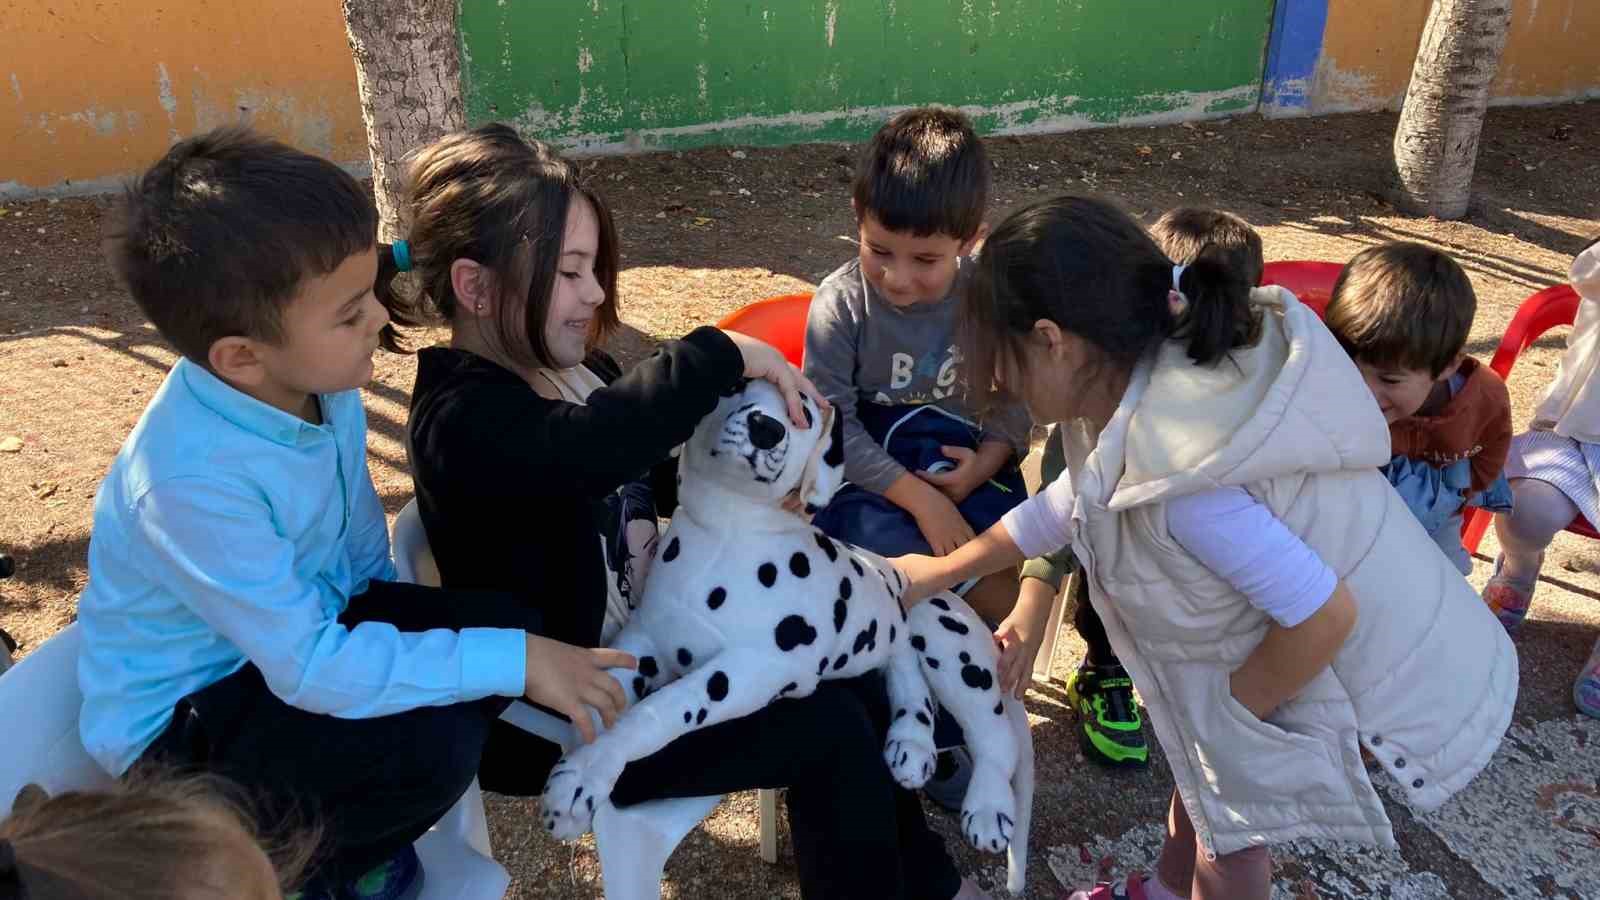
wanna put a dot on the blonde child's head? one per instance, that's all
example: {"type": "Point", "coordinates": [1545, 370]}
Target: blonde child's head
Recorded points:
{"type": "Point", "coordinates": [1403, 312]}
{"type": "Point", "coordinates": [147, 838]}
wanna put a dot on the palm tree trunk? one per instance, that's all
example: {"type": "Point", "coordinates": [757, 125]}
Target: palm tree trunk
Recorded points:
{"type": "Point", "coordinates": [1436, 142]}
{"type": "Point", "coordinates": [408, 72]}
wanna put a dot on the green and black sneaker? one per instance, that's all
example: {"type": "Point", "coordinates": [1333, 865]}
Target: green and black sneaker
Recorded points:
{"type": "Point", "coordinates": [1113, 733]}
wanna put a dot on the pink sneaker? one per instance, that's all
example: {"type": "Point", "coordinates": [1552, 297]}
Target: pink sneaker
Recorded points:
{"type": "Point", "coordinates": [1508, 598]}
{"type": "Point", "coordinates": [1586, 690]}
{"type": "Point", "coordinates": [1136, 886]}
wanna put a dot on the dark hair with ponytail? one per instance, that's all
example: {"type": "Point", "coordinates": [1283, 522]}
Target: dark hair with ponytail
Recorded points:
{"type": "Point", "coordinates": [1090, 268]}
{"type": "Point", "coordinates": [489, 196]}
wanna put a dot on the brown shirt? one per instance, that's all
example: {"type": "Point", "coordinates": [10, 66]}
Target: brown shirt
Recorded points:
{"type": "Point", "coordinates": [1475, 425]}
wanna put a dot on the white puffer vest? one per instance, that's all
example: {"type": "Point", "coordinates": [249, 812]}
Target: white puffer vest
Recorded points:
{"type": "Point", "coordinates": [1426, 681]}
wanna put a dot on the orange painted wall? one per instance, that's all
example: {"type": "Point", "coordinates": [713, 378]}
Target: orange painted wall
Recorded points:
{"type": "Point", "coordinates": [1368, 47]}
{"type": "Point", "coordinates": [93, 90]}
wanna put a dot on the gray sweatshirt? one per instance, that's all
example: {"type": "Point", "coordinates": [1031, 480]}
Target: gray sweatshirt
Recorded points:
{"type": "Point", "coordinates": [862, 349]}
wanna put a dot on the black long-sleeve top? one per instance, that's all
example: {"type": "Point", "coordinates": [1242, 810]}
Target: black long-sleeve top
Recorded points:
{"type": "Point", "coordinates": [510, 484]}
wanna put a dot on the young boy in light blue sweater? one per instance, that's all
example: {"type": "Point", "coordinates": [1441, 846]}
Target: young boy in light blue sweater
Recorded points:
{"type": "Point", "coordinates": [241, 615]}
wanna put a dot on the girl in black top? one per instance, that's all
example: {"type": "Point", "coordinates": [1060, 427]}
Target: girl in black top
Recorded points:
{"type": "Point", "coordinates": [540, 466]}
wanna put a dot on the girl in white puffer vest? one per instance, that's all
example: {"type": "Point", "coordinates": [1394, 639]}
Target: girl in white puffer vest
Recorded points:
{"type": "Point", "coordinates": [1278, 607]}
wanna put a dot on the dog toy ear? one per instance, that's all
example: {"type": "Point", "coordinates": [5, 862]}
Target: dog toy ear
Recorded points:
{"type": "Point", "coordinates": [824, 472]}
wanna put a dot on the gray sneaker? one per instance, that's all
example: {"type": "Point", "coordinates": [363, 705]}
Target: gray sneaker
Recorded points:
{"type": "Point", "coordinates": [948, 786]}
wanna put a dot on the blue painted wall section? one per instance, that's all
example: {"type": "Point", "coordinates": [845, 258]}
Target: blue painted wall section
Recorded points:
{"type": "Point", "coordinates": [1292, 54]}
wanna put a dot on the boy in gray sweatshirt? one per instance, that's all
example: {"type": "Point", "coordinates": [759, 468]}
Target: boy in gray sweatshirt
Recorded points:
{"type": "Point", "coordinates": [925, 475]}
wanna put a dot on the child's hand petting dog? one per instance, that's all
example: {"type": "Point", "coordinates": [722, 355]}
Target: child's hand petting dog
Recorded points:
{"type": "Point", "coordinates": [925, 576]}
{"type": "Point", "coordinates": [1021, 635]}
{"type": "Point", "coordinates": [572, 680]}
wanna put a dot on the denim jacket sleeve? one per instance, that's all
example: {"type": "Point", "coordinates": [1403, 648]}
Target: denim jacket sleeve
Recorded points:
{"type": "Point", "coordinates": [1432, 493]}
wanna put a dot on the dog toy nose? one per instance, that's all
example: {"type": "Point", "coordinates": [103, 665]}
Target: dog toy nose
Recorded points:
{"type": "Point", "coordinates": [765, 431]}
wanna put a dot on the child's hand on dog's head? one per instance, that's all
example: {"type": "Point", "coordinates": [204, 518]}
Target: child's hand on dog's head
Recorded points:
{"type": "Point", "coordinates": [572, 680]}
{"type": "Point", "coordinates": [762, 360]}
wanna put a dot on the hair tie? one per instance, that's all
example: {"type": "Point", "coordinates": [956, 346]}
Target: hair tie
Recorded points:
{"type": "Point", "coordinates": [402, 255]}
{"type": "Point", "coordinates": [1177, 303]}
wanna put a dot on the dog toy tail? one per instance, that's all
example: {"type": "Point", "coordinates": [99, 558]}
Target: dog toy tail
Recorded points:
{"type": "Point", "coordinates": [1022, 788]}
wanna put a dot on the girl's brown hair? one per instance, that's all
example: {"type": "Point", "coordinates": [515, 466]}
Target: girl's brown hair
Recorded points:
{"type": "Point", "coordinates": [151, 837]}
{"type": "Point", "coordinates": [489, 196]}
{"type": "Point", "coordinates": [1089, 267]}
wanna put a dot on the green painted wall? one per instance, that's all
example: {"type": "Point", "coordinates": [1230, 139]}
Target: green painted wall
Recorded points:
{"type": "Point", "coordinates": [635, 74]}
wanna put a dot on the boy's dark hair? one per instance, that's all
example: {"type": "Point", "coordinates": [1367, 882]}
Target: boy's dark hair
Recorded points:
{"type": "Point", "coordinates": [1088, 266]}
{"type": "Point", "coordinates": [1402, 304]}
{"type": "Point", "coordinates": [488, 195]}
{"type": "Point", "coordinates": [1183, 232]}
{"type": "Point", "coordinates": [219, 235]}
{"type": "Point", "coordinates": [925, 172]}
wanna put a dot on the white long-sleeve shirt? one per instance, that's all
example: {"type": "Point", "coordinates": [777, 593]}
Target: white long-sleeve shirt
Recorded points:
{"type": "Point", "coordinates": [1225, 528]}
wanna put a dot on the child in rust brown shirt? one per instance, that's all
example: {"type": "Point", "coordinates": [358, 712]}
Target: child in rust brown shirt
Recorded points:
{"type": "Point", "coordinates": [1403, 311]}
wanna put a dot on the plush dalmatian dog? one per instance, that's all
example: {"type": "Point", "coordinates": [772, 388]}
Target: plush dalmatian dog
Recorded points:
{"type": "Point", "coordinates": [748, 603]}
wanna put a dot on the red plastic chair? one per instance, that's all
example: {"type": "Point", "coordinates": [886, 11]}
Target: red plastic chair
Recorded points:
{"type": "Point", "coordinates": [1547, 309]}
{"type": "Point", "coordinates": [1310, 280]}
{"type": "Point", "coordinates": [780, 321]}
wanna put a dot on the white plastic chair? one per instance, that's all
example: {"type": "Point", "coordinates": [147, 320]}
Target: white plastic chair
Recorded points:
{"type": "Point", "coordinates": [39, 699]}
{"type": "Point", "coordinates": [634, 842]}
{"type": "Point", "coordinates": [1054, 625]}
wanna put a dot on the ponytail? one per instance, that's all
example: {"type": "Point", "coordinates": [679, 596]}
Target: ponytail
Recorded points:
{"type": "Point", "coordinates": [402, 311]}
{"type": "Point", "coordinates": [1217, 317]}
{"type": "Point", "coordinates": [1087, 266]}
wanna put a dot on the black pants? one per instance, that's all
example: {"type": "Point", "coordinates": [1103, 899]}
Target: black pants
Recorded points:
{"type": "Point", "coordinates": [375, 785]}
{"type": "Point", "coordinates": [856, 833]}
{"type": "Point", "coordinates": [1091, 629]}
{"type": "Point", "coordinates": [372, 786]}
